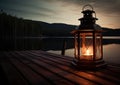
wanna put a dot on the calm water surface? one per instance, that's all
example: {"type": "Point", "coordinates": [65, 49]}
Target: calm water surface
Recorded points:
{"type": "Point", "coordinates": [111, 49]}
{"type": "Point", "coordinates": [111, 46]}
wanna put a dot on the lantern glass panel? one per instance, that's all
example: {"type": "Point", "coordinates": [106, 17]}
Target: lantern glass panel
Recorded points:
{"type": "Point", "coordinates": [98, 46]}
{"type": "Point", "coordinates": [86, 46]}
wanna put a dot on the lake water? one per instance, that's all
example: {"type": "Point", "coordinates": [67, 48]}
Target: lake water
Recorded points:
{"type": "Point", "coordinates": [111, 46]}
{"type": "Point", "coordinates": [111, 49]}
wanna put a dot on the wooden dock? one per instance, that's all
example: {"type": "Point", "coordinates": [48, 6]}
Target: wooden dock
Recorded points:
{"type": "Point", "coordinates": [37, 67]}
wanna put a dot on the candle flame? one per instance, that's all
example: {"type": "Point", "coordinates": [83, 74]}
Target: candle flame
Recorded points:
{"type": "Point", "coordinates": [87, 52]}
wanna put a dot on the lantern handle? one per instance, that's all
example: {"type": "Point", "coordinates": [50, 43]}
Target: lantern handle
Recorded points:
{"type": "Point", "coordinates": [95, 15]}
{"type": "Point", "coordinates": [88, 5]}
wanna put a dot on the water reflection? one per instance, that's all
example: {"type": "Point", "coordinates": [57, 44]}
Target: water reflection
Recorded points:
{"type": "Point", "coordinates": [57, 43]}
{"type": "Point", "coordinates": [111, 50]}
{"type": "Point", "coordinates": [111, 46]}
{"type": "Point", "coordinates": [112, 53]}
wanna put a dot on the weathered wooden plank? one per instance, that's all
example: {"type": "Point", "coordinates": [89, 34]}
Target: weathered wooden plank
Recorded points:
{"type": "Point", "coordinates": [39, 67]}
{"type": "Point", "coordinates": [64, 59]}
{"type": "Point", "coordinates": [97, 79]}
{"type": "Point", "coordinates": [110, 73]}
{"type": "Point", "coordinates": [60, 72]}
{"type": "Point", "coordinates": [68, 58]}
{"type": "Point", "coordinates": [60, 60]}
{"type": "Point", "coordinates": [82, 74]}
{"type": "Point", "coordinates": [3, 78]}
{"type": "Point", "coordinates": [106, 77]}
{"type": "Point", "coordinates": [48, 68]}
{"type": "Point", "coordinates": [48, 74]}
{"type": "Point", "coordinates": [114, 69]}
{"type": "Point", "coordinates": [32, 77]}
{"type": "Point", "coordinates": [14, 77]}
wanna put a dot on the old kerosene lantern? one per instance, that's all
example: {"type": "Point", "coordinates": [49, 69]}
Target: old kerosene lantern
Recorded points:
{"type": "Point", "coordinates": [88, 41]}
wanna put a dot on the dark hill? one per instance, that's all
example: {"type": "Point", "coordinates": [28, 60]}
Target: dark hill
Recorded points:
{"type": "Point", "coordinates": [11, 26]}
{"type": "Point", "coordinates": [14, 30]}
{"type": "Point", "coordinates": [56, 29]}
{"type": "Point", "coordinates": [61, 29]}
{"type": "Point", "coordinates": [111, 32]}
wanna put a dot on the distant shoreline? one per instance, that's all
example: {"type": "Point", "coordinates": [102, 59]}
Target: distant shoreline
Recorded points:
{"type": "Point", "coordinates": [104, 37]}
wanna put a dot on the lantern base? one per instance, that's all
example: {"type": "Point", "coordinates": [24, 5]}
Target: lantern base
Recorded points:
{"type": "Point", "coordinates": [87, 64]}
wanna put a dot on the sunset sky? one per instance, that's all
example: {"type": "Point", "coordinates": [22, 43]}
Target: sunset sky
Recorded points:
{"type": "Point", "coordinates": [64, 11]}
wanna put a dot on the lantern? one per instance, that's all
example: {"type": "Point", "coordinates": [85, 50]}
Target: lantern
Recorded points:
{"type": "Point", "coordinates": [88, 41]}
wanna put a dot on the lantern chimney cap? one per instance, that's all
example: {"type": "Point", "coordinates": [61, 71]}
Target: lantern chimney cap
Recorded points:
{"type": "Point", "coordinates": [88, 5]}
{"type": "Point", "coordinates": [85, 9]}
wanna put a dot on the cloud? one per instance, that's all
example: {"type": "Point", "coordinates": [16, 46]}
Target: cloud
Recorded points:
{"type": "Point", "coordinates": [45, 6]}
{"type": "Point", "coordinates": [29, 7]}
{"type": "Point", "coordinates": [106, 6]}
{"type": "Point", "coordinates": [62, 10]}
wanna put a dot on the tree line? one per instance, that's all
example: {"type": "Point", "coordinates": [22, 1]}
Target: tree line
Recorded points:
{"type": "Point", "coordinates": [12, 27]}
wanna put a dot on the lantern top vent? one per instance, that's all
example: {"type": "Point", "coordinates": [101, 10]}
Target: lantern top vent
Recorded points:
{"type": "Point", "coordinates": [88, 21]}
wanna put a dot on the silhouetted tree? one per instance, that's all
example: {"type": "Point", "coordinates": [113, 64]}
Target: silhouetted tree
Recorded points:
{"type": "Point", "coordinates": [12, 28]}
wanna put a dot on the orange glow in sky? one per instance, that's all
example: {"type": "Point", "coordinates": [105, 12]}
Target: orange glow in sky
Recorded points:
{"type": "Point", "coordinates": [64, 11]}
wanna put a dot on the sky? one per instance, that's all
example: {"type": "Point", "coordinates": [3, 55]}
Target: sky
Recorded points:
{"type": "Point", "coordinates": [64, 11]}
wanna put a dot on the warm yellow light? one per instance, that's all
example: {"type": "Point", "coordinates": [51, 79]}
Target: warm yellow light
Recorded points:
{"type": "Point", "coordinates": [87, 52]}
{"type": "Point", "coordinates": [87, 55]}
